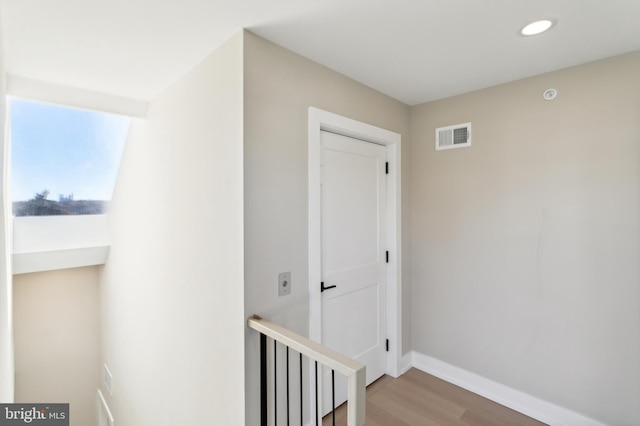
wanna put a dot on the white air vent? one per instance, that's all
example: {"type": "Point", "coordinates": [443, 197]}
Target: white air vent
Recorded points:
{"type": "Point", "coordinates": [456, 136]}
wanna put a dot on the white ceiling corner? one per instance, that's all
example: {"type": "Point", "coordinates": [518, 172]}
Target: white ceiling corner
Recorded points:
{"type": "Point", "coordinates": [414, 51]}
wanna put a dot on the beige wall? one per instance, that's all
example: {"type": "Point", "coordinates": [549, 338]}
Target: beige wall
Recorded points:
{"type": "Point", "coordinates": [172, 317]}
{"type": "Point", "coordinates": [56, 340]}
{"type": "Point", "coordinates": [526, 245]}
{"type": "Point", "coordinates": [279, 88]}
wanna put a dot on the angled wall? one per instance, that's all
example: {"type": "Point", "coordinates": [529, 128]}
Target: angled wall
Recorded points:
{"type": "Point", "coordinates": [172, 317]}
{"type": "Point", "coordinates": [526, 244]}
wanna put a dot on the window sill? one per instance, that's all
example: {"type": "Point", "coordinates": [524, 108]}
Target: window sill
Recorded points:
{"type": "Point", "coordinates": [59, 242]}
{"type": "Point", "coordinates": [24, 263]}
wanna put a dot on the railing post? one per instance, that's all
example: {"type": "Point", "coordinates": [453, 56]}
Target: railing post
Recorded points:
{"type": "Point", "coordinates": [352, 369]}
{"type": "Point", "coordinates": [263, 380]}
{"type": "Point", "coordinates": [356, 397]}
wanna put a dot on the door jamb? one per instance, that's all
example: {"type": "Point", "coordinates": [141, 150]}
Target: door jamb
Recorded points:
{"type": "Point", "coordinates": [323, 120]}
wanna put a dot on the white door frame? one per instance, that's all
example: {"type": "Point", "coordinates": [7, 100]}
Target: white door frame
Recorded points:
{"type": "Point", "coordinates": [322, 120]}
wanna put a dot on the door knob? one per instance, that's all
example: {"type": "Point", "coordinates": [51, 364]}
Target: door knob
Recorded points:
{"type": "Point", "coordinates": [323, 288]}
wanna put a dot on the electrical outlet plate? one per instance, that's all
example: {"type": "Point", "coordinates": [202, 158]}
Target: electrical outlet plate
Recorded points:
{"type": "Point", "coordinates": [284, 283]}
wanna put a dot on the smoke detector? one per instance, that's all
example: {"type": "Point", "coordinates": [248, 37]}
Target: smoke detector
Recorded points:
{"type": "Point", "coordinates": [550, 94]}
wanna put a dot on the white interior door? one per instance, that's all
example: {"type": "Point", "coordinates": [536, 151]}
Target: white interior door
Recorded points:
{"type": "Point", "coordinates": [353, 255]}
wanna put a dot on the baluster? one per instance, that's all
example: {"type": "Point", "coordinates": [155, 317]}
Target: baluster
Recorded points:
{"type": "Point", "coordinates": [301, 417]}
{"type": "Point", "coordinates": [333, 396]}
{"type": "Point", "coordinates": [263, 380]}
{"type": "Point", "coordinates": [287, 385]}
{"type": "Point", "coordinates": [275, 383]}
{"type": "Point", "coordinates": [317, 396]}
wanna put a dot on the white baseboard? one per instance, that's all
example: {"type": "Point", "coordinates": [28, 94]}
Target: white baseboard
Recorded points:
{"type": "Point", "coordinates": [407, 362]}
{"type": "Point", "coordinates": [526, 404]}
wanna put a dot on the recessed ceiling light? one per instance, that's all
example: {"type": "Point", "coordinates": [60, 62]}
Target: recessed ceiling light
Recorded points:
{"type": "Point", "coordinates": [537, 27]}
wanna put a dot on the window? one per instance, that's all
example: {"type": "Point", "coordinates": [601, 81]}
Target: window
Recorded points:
{"type": "Point", "coordinates": [64, 161]}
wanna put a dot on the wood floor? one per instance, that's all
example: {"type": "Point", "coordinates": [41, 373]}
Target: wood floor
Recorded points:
{"type": "Point", "coordinates": [419, 399]}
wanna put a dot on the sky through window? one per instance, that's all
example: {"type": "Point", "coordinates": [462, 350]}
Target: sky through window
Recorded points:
{"type": "Point", "coordinates": [64, 155]}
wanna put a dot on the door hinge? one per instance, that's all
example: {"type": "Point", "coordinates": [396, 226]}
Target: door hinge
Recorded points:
{"type": "Point", "coordinates": [387, 345]}
{"type": "Point", "coordinates": [386, 168]}
{"type": "Point", "coordinates": [387, 254]}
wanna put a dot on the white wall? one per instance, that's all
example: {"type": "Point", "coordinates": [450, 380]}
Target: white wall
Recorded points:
{"type": "Point", "coordinates": [279, 88]}
{"type": "Point", "coordinates": [42, 91]}
{"type": "Point", "coordinates": [526, 245]}
{"type": "Point", "coordinates": [56, 340]}
{"type": "Point", "coordinates": [6, 339]}
{"type": "Point", "coordinates": [172, 317]}
{"type": "Point", "coordinates": [45, 243]}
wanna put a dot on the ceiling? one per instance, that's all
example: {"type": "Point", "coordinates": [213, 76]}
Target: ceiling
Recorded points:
{"type": "Point", "coordinates": [412, 50]}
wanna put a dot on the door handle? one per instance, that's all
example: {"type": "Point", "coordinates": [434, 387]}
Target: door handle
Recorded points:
{"type": "Point", "coordinates": [323, 288]}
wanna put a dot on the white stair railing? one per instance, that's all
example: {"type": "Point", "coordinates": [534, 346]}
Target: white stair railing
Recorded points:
{"type": "Point", "coordinates": [354, 371]}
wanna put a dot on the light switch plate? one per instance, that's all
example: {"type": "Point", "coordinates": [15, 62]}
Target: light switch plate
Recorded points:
{"type": "Point", "coordinates": [284, 283]}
